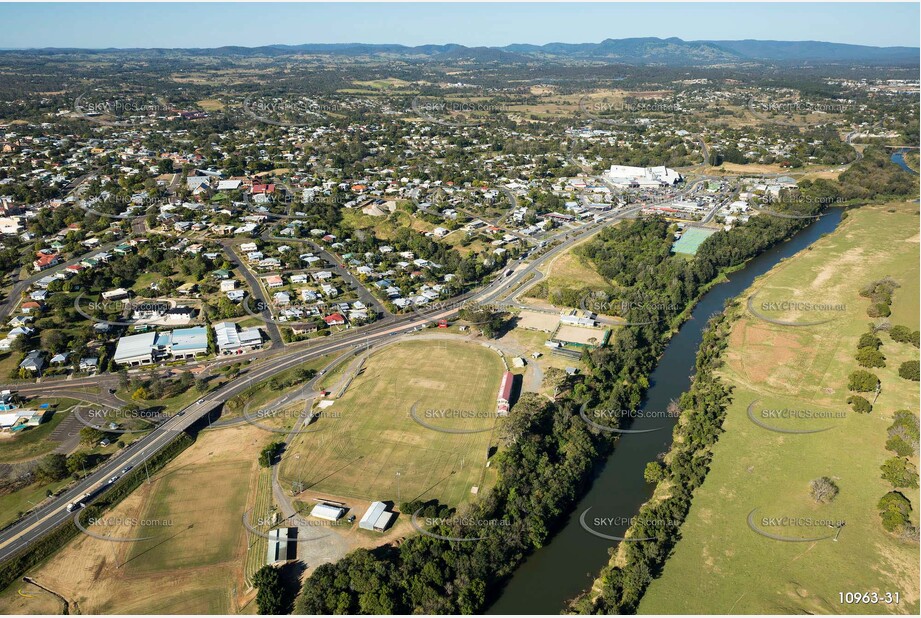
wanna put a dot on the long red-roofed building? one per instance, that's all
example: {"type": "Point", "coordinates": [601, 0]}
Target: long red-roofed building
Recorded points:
{"type": "Point", "coordinates": [505, 394]}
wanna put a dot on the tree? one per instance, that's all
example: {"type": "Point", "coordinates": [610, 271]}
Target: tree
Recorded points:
{"type": "Point", "coordinates": [140, 393]}
{"type": "Point", "coordinates": [91, 436]}
{"type": "Point", "coordinates": [870, 357]}
{"type": "Point", "coordinates": [910, 370]}
{"type": "Point", "coordinates": [860, 404]}
{"type": "Point", "coordinates": [555, 378]}
{"type": "Point", "coordinates": [52, 467]}
{"type": "Point", "coordinates": [77, 461]}
{"type": "Point", "coordinates": [823, 489]}
{"type": "Point", "coordinates": [654, 472]}
{"type": "Point", "coordinates": [903, 434]}
{"type": "Point", "coordinates": [270, 591]}
{"type": "Point", "coordinates": [900, 334]}
{"type": "Point", "coordinates": [900, 472]}
{"type": "Point", "coordinates": [270, 453]}
{"type": "Point", "coordinates": [894, 509]}
{"type": "Point", "coordinates": [862, 381]}
{"type": "Point", "coordinates": [869, 340]}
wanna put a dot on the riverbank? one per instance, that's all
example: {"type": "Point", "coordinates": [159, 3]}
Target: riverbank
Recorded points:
{"type": "Point", "coordinates": [774, 366]}
{"type": "Point", "coordinates": [566, 566]}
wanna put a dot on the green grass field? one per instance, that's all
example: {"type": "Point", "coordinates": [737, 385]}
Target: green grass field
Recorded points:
{"type": "Point", "coordinates": [200, 530]}
{"type": "Point", "coordinates": [369, 435]}
{"type": "Point", "coordinates": [732, 569]}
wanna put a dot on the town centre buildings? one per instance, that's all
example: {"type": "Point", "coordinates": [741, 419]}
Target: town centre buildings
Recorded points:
{"type": "Point", "coordinates": [147, 348]}
{"type": "Point", "coordinates": [628, 176]}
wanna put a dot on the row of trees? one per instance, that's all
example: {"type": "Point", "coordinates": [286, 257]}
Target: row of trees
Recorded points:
{"type": "Point", "coordinates": [894, 507]}
{"type": "Point", "coordinates": [548, 451]}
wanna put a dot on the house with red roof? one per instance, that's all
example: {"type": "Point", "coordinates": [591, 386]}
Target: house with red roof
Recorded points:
{"type": "Point", "coordinates": [334, 319]}
{"type": "Point", "coordinates": [45, 261]}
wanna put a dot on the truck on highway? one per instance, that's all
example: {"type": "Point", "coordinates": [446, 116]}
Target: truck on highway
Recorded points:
{"type": "Point", "coordinates": [78, 504]}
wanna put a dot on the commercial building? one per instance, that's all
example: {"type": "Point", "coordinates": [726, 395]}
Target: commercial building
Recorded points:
{"type": "Point", "coordinates": [146, 348]}
{"type": "Point", "coordinates": [376, 518]}
{"type": "Point", "coordinates": [629, 176]}
{"type": "Point", "coordinates": [230, 340]}
{"type": "Point", "coordinates": [187, 342]}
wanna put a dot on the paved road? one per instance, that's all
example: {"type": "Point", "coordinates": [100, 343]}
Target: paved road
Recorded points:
{"type": "Point", "coordinates": [10, 302]}
{"type": "Point", "coordinates": [18, 536]}
{"type": "Point", "coordinates": [337, 267]}
{"type": "Point", "coordinates": [256, 293]}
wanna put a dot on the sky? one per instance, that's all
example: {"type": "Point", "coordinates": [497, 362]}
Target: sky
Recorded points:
{"type": "Point", "coordinates": [101, 25]}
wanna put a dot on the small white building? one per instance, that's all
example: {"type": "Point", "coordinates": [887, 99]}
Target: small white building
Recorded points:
{"type": "Point", "coordinates": [376, 518]}
{"type": "Point", "coordinates": [327, 512]}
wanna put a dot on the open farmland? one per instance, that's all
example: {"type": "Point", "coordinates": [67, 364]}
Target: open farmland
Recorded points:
{"type": "Point", "coordinates": [368, 436]}
{"type": "Point", "coordinates": [735, 570]}
{"type": "Point", "coordinates": [193, 510]}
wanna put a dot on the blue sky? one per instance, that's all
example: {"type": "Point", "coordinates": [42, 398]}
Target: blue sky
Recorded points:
{"type": "Point", "coordinates": [253, 24]}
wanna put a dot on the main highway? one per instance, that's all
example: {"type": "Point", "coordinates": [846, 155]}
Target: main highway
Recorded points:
{"type": "Point", "coordinates": [42, 521]}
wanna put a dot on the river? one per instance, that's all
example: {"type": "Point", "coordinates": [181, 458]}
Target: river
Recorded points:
{"type": "Point", "coordinates": [898, 157]}
{"type": "Point", "coordinates": [569, 562]}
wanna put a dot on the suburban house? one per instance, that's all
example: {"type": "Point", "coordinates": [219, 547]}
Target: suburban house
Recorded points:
{"type": "Point", "coordinates": [33, 362]}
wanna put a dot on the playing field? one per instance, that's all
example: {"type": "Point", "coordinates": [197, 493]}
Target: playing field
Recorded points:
{"type": "Point", "coordinates": [733, 569]}
{"type": "Point", "coordinates": [195, 561]}
{"type": "Point", "coordinates": [368, 446]}
{"type": "Point", "coordinates": [691, 240]}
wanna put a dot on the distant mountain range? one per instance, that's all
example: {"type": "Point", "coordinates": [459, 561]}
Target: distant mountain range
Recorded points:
{"type": "Point", "coordinates": [640, 51]}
